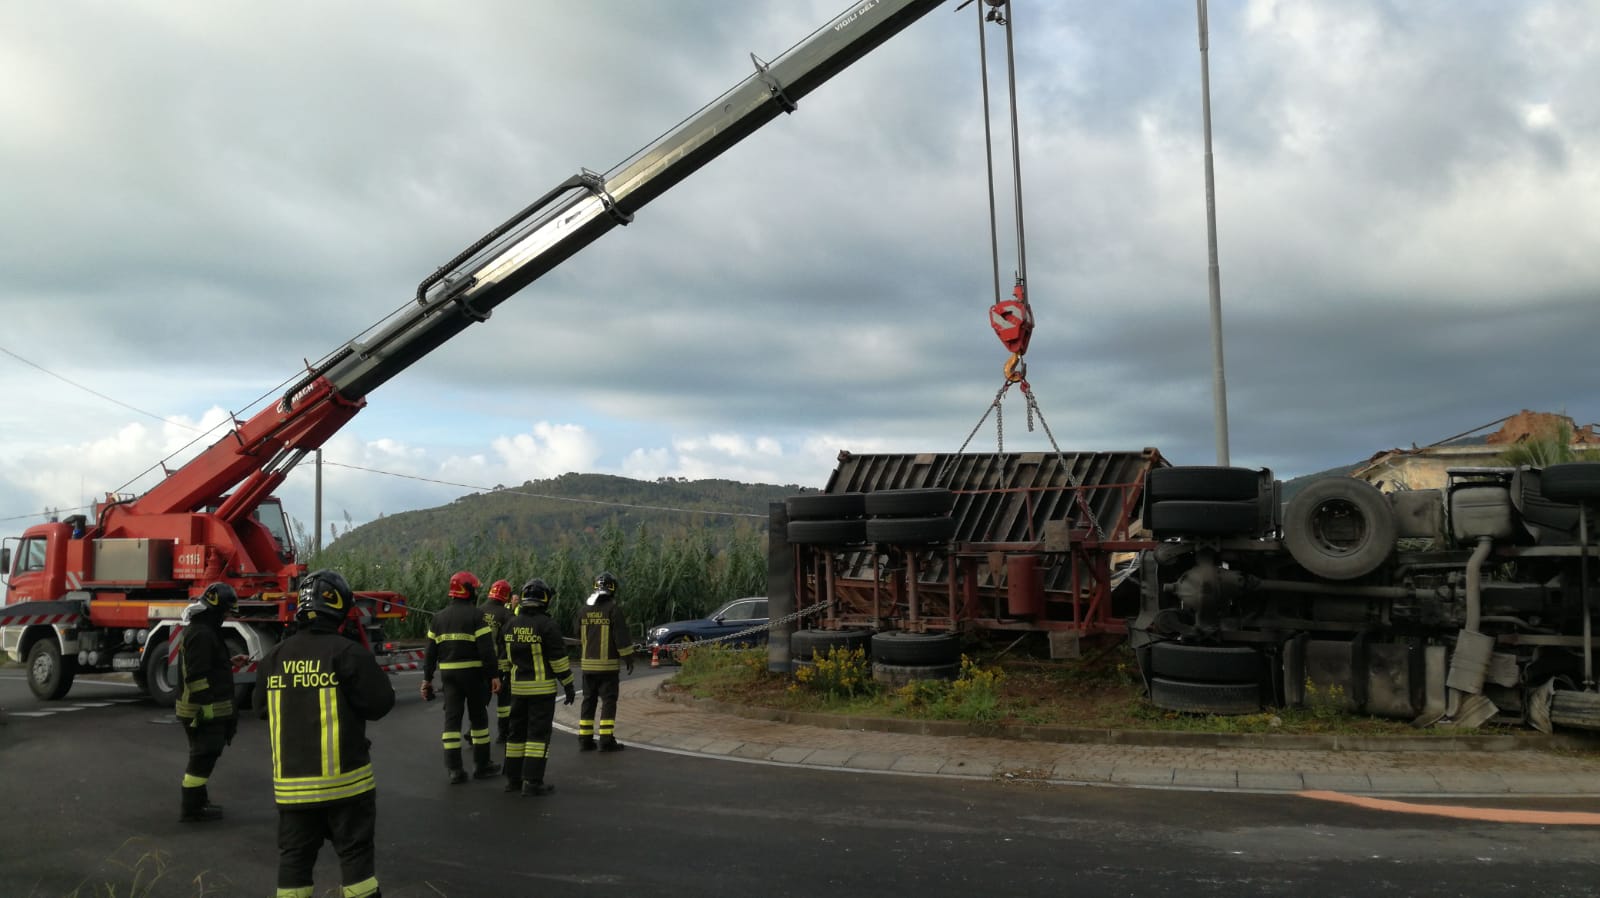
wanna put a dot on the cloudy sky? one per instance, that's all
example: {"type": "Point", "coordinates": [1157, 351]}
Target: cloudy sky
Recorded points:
{"type": "Point", "coordinates": [200, 196]}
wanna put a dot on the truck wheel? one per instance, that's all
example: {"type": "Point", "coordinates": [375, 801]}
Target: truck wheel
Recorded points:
{"type": "Point", "coordinates": [910, 531]}
{"type": "Point", "coordinates": [824, 506]}
{"type": "Point", "coordinates": [828, 533]}
{"type": "Point", "coordinates": [1571, 482]}
{"type": "Point", "coordinates": [1205, 663]}
{"type": "Point", "coordinates": [161, 678]}
{"type": "Point", "coordinates": [899, 647]}
{"type": "Point", "coordinates": [1339, 528]}
{"type": "Point", "coordinates": [902, 674]}
{"type": "Point", "coordinates": [910, 503]}
{"type": "Point", "coordinates": [49, 674]}
{"type": "Point", "coordinates": [1205, 698]}
{"type": "Point", "coordinates": [1209, 517]}
{"type": "Point", "coordinates": [1201, 482]}
{"type": "Point", "coordinates": [808, 644]}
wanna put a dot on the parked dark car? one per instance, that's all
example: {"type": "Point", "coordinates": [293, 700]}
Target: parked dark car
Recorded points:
{"type": "Point", "coordinates": [737, 615]}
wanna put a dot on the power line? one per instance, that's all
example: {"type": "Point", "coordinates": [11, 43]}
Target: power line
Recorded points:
{"type": "Point", "coordinates": [469, 486]}
{"type": "Point", "coordinates": [131, 408]}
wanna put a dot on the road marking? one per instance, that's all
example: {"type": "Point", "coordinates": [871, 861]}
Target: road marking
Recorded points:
{"type": "Point", "coordinates": [93, 704]}
{"type": "Point", "coordinates": [30, 713]}
{"type": "Point", "coordinates": [1462, 812]}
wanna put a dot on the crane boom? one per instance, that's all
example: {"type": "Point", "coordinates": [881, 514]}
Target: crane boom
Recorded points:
{"type": "Point", "coordinates": [258, 454]}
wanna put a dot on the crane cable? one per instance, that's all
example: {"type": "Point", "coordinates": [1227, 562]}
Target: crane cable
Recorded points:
{"type": "Point", "coordinates": [1012, 319]}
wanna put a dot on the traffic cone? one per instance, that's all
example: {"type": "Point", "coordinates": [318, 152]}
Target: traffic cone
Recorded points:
{"type": "Point", "coordinates": [655, 656]}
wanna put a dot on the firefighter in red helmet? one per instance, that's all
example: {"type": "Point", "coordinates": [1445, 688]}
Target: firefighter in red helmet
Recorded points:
{"type": "Point", "coordinates": [498, 616]}
{"type": "Point", "coordinates": [460, 648]}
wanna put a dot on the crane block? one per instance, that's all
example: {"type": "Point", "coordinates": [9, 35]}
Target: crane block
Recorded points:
{"type": "Point", "coordinates": [1012, 320]}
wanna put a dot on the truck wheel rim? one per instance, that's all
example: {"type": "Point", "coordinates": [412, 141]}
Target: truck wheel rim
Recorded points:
{"type": "Point", "coordinates": [42, 668]}
{"type": "Point", "coordinates": [1339, 526]}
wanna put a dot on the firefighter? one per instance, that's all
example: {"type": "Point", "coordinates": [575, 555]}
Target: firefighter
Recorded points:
{"type": "Point", "coordinates": [205, 707]}
{"type": "Point", "coordinates": [318, 689]}
{"type": "Point", "coordinates": [498, 616]}
{"type": "Point", "coordinates": [538, 655]}
{"type": "Point", "coordinates": [606, 647]}
{"type": "Point", "coordinates": [461, 648]}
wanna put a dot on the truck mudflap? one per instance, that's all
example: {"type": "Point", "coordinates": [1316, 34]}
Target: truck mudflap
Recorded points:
{"type": "Point", "coordinates": [28, 614]}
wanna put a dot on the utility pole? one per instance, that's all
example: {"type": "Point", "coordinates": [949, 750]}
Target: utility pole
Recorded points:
{"type": "Point", "coordinates": [316, 542]}
{"type": "Point", "coordinates": [1219, 382]}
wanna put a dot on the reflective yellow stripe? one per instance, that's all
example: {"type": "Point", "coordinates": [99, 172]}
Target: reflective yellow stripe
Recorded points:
{"type": "Point", "coordinates": [328, 710]}
{"type": "Point", "coordinates": [274, 721]}
{"type": "Point", "coordinates": [296, 892]}
{"type": "Point", "coordinates": [362, 889]}
{"type": "Point", "coordinates": [484, 631]}
{"type": "Point", "coordinates": [459, 665]}
{"type": "Point", "coordinates": [310, 789]}
{"type": "Point", "coordinates": [198, 684]}
{"type": "Point", "coordinates": [454, 637]}
{"type": "Point", "coordinates": [190, 780]}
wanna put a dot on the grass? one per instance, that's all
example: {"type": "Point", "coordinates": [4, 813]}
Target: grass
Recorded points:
{"type": "Point", "coordinates": [1099, 692]}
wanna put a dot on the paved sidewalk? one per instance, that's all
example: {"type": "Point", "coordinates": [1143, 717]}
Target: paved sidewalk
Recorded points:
{"type": "Point", "coordinates": [648, 720]}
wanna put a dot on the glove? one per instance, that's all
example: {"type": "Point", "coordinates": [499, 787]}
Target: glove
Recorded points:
{"type": "Point", "coordinates": [627, 661]}
{"type": "Point", "coordinates": [570, 694]}
{"type": "Point", "coordinates": [229, 728]}
{"type": "Point", "coordinates": [427, 690]}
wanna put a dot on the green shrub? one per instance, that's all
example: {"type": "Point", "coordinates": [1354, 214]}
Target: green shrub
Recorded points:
{"type": "Point", "coordinates": [841, 673]}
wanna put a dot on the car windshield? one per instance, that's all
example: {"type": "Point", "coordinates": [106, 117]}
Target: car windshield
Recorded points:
{"type": "Point", "coordinates": [742, 609]}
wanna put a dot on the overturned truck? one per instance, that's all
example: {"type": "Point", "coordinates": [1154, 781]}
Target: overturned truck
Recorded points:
{"type": "Point", "coordinates": [1449, 606]}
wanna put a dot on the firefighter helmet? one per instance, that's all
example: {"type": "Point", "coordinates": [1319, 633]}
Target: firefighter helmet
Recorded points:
{"type": "Point", "coordinates": [500, 591]}
{"type": "Point", "coordinates": [606, 582]}
{"type": "Point", "coordinates": [536, 596]}
{"type": "Point", "coordinates": [220, 595]}
{"type": "Point", "coordinates": [464, 585]}
{"type": "Point", "coordinates": [325, 593]}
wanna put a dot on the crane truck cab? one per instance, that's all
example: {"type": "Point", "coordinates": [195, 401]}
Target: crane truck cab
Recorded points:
{"type": "Point", "coordinates": [79, 601]}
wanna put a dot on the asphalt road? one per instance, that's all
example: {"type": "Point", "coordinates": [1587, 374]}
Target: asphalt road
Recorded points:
{"type": "Point", "coordinates": [91, 792]}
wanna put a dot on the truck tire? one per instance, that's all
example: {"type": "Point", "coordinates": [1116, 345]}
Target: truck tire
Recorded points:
{"type": "Point", "coordinates": [824, 506]}
{"type": "Point", "coordinates": [1196, 517]}
{"type": "Point", "coordinates": [902, 674]}
{"type": "Point", "coordinates": [827, 533]}
{"type": "Point", "coordinates": [1205, 663]}
{"type": "Point", "coordinates": [161, 678]}
{"type": "Point", "coordinates": [1202, 482]}
{"type": "Point", "coordinates": [1205, 698]}
{"type": "Point", "coordinates": [1340, 528]}
{"type": "Point", "coordinates": [910, 503]}
{"type": "Point", "coordinates": [916, 649]}
{"type": "Point", "coordinates": [809, 644]}
{"type": "Point", "coordinates": [1571, 482]}
{"type": "Point", "coordinates": [49, 674]}
{"type": "Point", "coordinates": [910, 531]}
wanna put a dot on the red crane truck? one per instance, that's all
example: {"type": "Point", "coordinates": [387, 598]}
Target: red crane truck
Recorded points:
{"type": "Point", "coordinates": [104, 594]}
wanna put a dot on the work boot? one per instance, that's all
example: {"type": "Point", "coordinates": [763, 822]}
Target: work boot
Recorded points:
{"type": "Point", "coordinates": [205, 800]}
{"type": "Point", "coordinates": [513, 770]}
{"type": "Point", "coordinates": [610, 743]}
{"type": "Point", "coordinates": [586, 743]}
{"type": "Point", "coordinates": [194, 807]}
{"type": "Point", "coordinates": [534, 785]}
{"type": "Point", "coordinates": [483, 765]}
{"type": "Point", "coordinates": [458, 776]}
